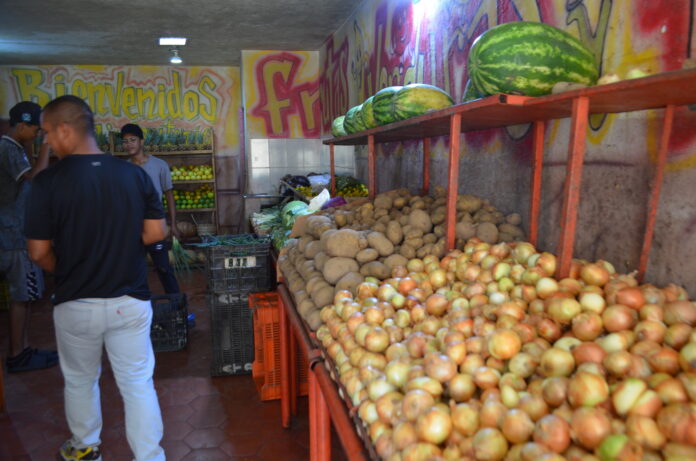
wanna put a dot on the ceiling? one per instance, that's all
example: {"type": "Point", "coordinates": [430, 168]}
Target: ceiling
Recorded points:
{"type": "Point", "coordinates": [126, 32]}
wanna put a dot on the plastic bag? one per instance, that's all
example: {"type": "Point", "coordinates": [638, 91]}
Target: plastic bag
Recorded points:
{"type": "Point", "coordinates": [317, 202]}
{"type": "Point", "coordinates": [334, 202]}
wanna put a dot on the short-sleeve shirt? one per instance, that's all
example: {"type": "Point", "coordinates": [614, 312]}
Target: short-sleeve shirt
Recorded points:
{"type": "Point", "coordinates": [14, 191]}
{"type": "Point", "coordinates": [158, 171]}
{"type": "Point", "coordinates": [92, 207]}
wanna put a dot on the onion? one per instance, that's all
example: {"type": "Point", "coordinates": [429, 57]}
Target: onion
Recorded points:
{"type": "Point", "coordinates": [461, 387]}
{"type": "Point", "coordinates": [404, 434]}
{"type": "Point", "coordinates": [680, 312]}
{"type": "Point", "coordinates": [648, 404]}
{"type": "Point", "coordinates": [534, 406]}
{"type": "Point", "coordinates": [504, 344]}
{"type": "Point", "coordinates": [549, 330]}
{"type": "Point", "coordinates": [415, 265]}
{"type": "Point", "coordinates": [440, 367]}
{"type": "Point", "coordinates": [652, 312]}
{"type": "Point", "coordinates": [677, 335]}
{"type": "Point", "coordinates": [396, 372]}
{"type": "Point", "coordinates": [465, 418]}
{"type": "Point", "coordinates": [555, 390]}
{"type": "Point", "coordinates": [619, 446]}
{"type": "Point", "coordinates": [436, 304]}
{"type": "Point", "coordinates": [368, 412]}
{"type": "Point", "coordinates": [471, 364]}
{"type": "Point", "coordinates": [563, 310]}
{"type": "Point", "coordinates": [665, 360]}
{"type": "Point", "coordinates": [420, 451]}
{"type": "Point", "coordinates": [614, 342]}
{"type": "Point", "coordinates": [492, 413]}
{"type": "Point", "coordinates": [395, 351]}
{"type": "Point", "coordinates": [618, 363]}
{"type": "Point", "coordinates": [587, 326]}
{"type": "Point", "coordinates": [552, 432]}
{"type": "Point", "coordinates": [673, 292]}
{"type": "Point", "coordinates": [631, 297]}
{"type": "Point", "coordinates": [644, 430]}
{"type": "Point", "coordinates": [531, 451]}
{"type": "Point", "coordinates": [438, 278]}
{"type": "Point", "coordinates": [567, 343]}
{"type": "Point", "coordinates": [671, 390]}
{"type": "Point", "coordinates": [434, 426]}
{"type": "Point", "coordinates": [588, 352]}
{"type": "Point", "coordinates": [523, 364]}
{"type": "Point", "coordinates": [427, 384]}
{"type": "Point", "coordinates": [650, 330]}
{"type": "Point", "coordinates": [384, 445]}
{"type": "Point", "coordinates": [378, 361]}
{"type": "Point", "coordinates": [545, 287]}
{"type": "Point", "coordinates": [678, 423]}
{"type": "Point", "coordinates": [490, 445]}
{"type": "Point", "coordinates": [456, 351]}
{"type": "Point", "coordinates": [556, 362]}
{"type": "Point", "coordinates": [618, 317]}
{"type": "Point", "coordinates": [387, 406]}
{"type": "Point", "coordinates": [416, 402]}
{"type": "Point", "coordinates": [486, 377]}
{"type": "Point", "coordinates": [377, 340]}
{"type": "Point", "coordinates": [590, 426]}
{"type": "Point", "coordinates": [587, 390]}
{"type": "Point", "coordinates": [594, 274]}
{"type": "Point", "coordinates": [516, 382]}
{"type": "Point", "coordinates": [593, 302]}
{"type": "Point", "coordinates": [687, 357]}
{"type": "Point", "coordinates": [626, 394]}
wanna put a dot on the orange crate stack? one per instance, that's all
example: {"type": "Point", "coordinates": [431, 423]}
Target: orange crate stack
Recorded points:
{"type": "Point", "coordinates": [266, 367]}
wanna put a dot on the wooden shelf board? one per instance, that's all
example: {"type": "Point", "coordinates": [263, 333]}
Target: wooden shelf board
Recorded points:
{"type": "Point", "coordinates": [198, 181]}
{"type": "Point", "coordinates": [197, 210]}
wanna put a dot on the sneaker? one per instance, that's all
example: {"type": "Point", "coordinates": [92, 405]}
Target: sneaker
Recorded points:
{"type": "Point", "coordinates": [29, 360]}
{"type": "Point", "coordinates": [69, 453]}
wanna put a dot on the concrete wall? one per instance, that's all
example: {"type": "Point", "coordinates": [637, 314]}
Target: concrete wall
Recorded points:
{"type": "Point", "coordinates": [395, 42]}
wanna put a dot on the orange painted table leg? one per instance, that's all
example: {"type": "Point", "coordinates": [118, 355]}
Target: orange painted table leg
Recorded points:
{"type": "Point", "coordinates": [371, 166]}
{"type": "Point", "coordinates": [319, 423]}
{"type": "Point", "coordinates": [573, 180]}
{"type": "Point", "coordinates": [426, 166]}
{"type": "Point", "coordinates": [655, 189]}
{"type": "Point", "coordinates": [284, 365]}
{"type": "Point", "coordinates": [453, 179]}
{"type": "Point", "coordinates": [333, 169]}
{"type": "Point", "coordinates": [293, 373]}
{"type": "Point", "coordinates": [537, 166]}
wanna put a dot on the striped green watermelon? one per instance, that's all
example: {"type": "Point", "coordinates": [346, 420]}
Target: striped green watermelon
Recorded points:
{"type": "Point", "coordinates": [368, 114]}
{"type": "Point", "coordinates": [417, 99]}
{"type": "Point", "coordinates": [528, 58]}
{"type": "Point", "coordinates": [337, 126]}
{"type": "Point", "coordinates": [354, 121]}
{"type": "Point", "coordinates": [382, 107]}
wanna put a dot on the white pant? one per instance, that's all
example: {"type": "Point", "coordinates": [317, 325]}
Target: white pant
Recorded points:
{"type": "Point", "coordinates": [83, 328]}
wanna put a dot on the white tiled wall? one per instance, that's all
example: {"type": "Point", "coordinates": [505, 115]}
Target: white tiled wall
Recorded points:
{"type": "Point", "coordinates": [271, 159]}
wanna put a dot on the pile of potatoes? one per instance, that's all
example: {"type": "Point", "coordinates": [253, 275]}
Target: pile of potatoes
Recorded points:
{"type": "Point", "coordinates": [339, 247]}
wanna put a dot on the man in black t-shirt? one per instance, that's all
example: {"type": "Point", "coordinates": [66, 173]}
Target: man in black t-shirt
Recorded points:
{"type": "Point", "coordinates": [89, 218]}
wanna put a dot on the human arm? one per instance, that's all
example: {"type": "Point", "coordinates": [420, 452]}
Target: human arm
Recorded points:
{"type": "Point", "coordinates": [41, 163]}
{"type": "Point", "coordinates": [153, 231]}
{"type": "Point", "coordinates": [172, 213]}
{"type": "Point", "coordinates": [41, 252]}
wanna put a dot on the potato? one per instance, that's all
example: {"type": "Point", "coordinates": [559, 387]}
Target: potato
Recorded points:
{"type": "Point", "coordinates": [464, 230]}
{"type": "Point", "coordinates": [325, 237]}
{"type": "Point", "coordinates": [412, 232]}
{"type": "Point", "coordinates": [349, 282]}
{"type": "Point", "coordinates": [304, 241]}
{"type": "Point", "coordinates": [313, 319]}
{"type": "Point", "coordinates": [511, 229]}
{"type": "Point", "coordinates": [343, 243]}
{"type": "Point", "coordinates": [341, 219]}
{"type": "Point", "coordinates": [399, 202]}
{"type": "Point", "coordinates": [367, 255]}
{"type": "Point", "coordinates": [395, 260]}
{"type": "Point", "coordinates": [296, 284]}
{"type": "Point", "coordinates": [513, 218]}
{"type": "Point", "coordinates": [335, 268]}
{"type": "Point", "coordinates": [394, 232]}
{"type": "Point", "coordinates": [424, 250]}
{"type": "Point", "coordinates": [430, 238]}
{"type": "Point", "coordinates": [313, 282]}
{"type": "Point", "coordinates": [320, 259]}
{"type": "Point", "coordinates": [419, 219]}
{"type": "Point", "coordinates": [439, 249]}
{"type": "Point", "coordinates": [379, 213]}
{"type": "Point", "coordinates": [305, 307]}
{"type": "Point", "coordinates": [419, 205]}
{"type": "Point", "coordinates": [406, 210]}
{"type": "Point", "coordinates": [317, 224]}
{"type": "Point", "coordinates": [439, 215]}
{"type": "Point", "coordinates": [383, 201]}
{"type": "Point", "coordinates": [414, 243]}
{"type": "Point", "coordinates": [486, 217]}
{"type": "Point", "coordinates": [403, 220]}
{"type": "Point", "coordinates": [505, 237]}
{"type": "Point", "coordinates": [439, 191]}
{"type": "Point", "coordinates": [469, 203]}
{"type": "Point", "coordinates": [407, 251]}
{"type": "Point", "coordinates": [379, 227]}
{"type": "Point", "coordinates": [487, 232]}
{"type": "Point", "coordinates": [375, 269]}
{"type": "Point", "coordinates": [439, 230]}
{"type": "Point", "coordinates": [323, 296]}
{"type": "Point", "coordinates": [312, 249]}
{"type": "Point", "coordinates": [381, 243]}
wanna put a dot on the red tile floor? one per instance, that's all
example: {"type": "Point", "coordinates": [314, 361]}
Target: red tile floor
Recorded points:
{"type": "Point", "coordinates": [205, 418]}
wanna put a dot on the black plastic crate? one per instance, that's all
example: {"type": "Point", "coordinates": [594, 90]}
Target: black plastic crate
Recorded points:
{"type": "Point", "coordinates": [239, 268]}
{"type": "Point", "coordinates": [169, 330]}
{"type": "Point", "coordinates": [232, 334]}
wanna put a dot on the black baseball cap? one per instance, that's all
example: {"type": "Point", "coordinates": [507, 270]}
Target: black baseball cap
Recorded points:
{"type": "Point", "coordinates": [25, 112]}
{"type": "Point", "coordinates": [132, 128]}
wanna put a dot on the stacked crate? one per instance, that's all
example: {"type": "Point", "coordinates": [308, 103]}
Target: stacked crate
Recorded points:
{"type": "Point", "coordinates": [234, 270]}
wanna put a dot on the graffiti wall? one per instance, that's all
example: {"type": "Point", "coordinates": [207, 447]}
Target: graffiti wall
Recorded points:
{"type": "Point", "coordinates": [175, 105]}
{"type": "Point", "coordinates": [396, 42]}
{"type": "Point", "coordinates": [281, 91]}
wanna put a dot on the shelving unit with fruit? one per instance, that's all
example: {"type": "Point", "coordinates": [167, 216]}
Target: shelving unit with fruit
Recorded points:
{"type": "Point", "coordinates": [191, 158]}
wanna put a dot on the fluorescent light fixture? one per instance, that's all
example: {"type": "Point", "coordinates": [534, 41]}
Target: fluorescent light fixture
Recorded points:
{"type": "Point", "coordinates": [172, 41]}
{"type": "Point", "coordinates": [175, 59]}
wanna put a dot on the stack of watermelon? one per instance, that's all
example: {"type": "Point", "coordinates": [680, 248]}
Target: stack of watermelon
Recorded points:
{"type": "Point", "coordinates": [389, 105]}
{"type": "Point", "coordinates": [527, 58]}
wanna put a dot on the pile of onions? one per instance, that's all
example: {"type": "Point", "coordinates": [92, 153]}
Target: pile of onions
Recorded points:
{"type": "Point", "coordinates": [483, 354]}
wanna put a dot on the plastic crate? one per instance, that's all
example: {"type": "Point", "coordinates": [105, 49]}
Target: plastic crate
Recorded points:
{"type": "Point", "coordinates": [266, 367]}
{"type": "Point", "coordinates": [232, 334]}
{"type": "Point", "coordinates": [243, 268]}
{"type": "Point", "coordinates": [169, 331]}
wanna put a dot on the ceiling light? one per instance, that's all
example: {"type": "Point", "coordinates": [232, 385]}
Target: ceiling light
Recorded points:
{"type": "Point", "coordinates": [175, 59]}
{"type": "Point", "coordinates": [172, 41]}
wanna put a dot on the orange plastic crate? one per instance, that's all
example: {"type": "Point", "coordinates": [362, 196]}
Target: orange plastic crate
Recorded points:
{"type": "Point", "coordinates": [266, 367]}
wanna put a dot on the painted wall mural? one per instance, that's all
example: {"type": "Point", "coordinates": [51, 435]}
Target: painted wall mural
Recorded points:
{"type": "Point", "coordinates": [281, 90]}
{"type": "Point", "coordinates": [396, 42]}
{"type": "Point", "coordinates": [174, 102]}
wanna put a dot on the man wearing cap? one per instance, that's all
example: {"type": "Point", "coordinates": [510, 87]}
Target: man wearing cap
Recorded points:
{"type": "Point", "coordinates": [24, 277]}
{"type": "Point", "coordinates": [158, 171]}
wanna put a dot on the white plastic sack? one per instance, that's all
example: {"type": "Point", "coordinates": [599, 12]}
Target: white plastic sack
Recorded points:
{"type": "Point", "coordinates": [317, 202]}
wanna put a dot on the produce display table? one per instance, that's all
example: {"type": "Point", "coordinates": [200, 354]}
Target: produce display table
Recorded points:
{"type": "Point", "coordinates": [325, 404]}
{"type": "Point", "coordinates": [665, 90]}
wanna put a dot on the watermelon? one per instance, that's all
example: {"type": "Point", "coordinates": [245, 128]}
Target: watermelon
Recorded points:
{"type": "Point", "coordinates": [417, 99]}
{"type": "Point", "coordinates": [382, 107]}
{"type": "Point", "coordinates": [368, 114]}
{"type": "Point", "coordinates": [353, 121]}
{"type": "Point", "coordinates": [528, 58]}
{"type": "Point", "coordinates": [337, 126]}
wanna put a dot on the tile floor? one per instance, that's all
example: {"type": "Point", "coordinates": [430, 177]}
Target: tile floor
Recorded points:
{"type": "Point", "coordinates": [204, 418]}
